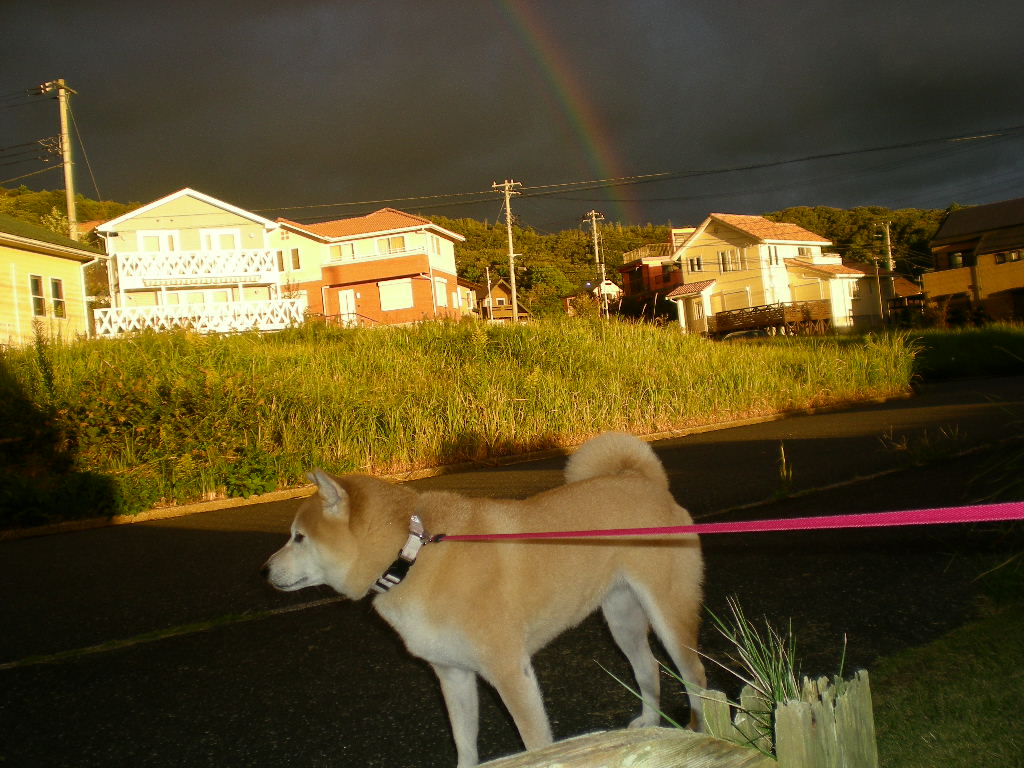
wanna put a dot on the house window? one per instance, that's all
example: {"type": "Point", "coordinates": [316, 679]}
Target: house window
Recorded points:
{"type": "Point", "coordinates": [57, 294]}
{"type": "Point", "coordinates": [343, 252]}
{"type": "Point", "coordinates": [501, 301]}
{"type": "Point", "coordinates": [730, 261]}
{"type": "Point", "coordinates": [220, 239]}
{"type": "Point", "coordinates": [280, 261]}
{"type": "Point", "coordinates": [773, 255]}
{"type": "Point", "coordinates": [855, 289]}
{"type": "Point", "coordinates": [803, 250]}
{"type": "Point", "coordinates": [441, 291]}
{"type": "Point", "coordinates": [695, 263]}
{"type": "Point", "coordinates": [386, 245]}
{"type": "Point", "coordinates": [35, 284]}
{"type": "Point", "coordinates": [296, 263]}
{"type": "Point", "coordinates": [395, 294]}
{"type": "Point", "coordinates": [157, 241]}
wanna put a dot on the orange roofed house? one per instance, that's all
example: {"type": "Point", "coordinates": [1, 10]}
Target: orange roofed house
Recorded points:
{"type": "Point", "coordinates": [387, 267]}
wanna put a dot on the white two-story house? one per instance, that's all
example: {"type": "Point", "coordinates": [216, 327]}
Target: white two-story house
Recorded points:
{"type": "Point", "coordinates": [191, 260]}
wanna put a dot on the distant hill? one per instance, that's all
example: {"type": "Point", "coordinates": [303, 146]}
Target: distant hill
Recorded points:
{"type": "Point", "coordinates": [48, 208]}
{"type": "Point", "coordinates": [857, 233]}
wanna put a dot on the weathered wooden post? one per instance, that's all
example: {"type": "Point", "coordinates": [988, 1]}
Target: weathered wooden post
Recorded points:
{"type": "Point", "coordinates": [831, 725]}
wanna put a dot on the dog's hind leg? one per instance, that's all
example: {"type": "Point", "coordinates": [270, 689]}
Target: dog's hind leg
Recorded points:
{"type": "Point", "coordinates": [675, 618]}
{"type": "Point", "coordinates": [518, 688]}
{"type": "Point", "coordinates": [628, 622]}
{"type": "Point", "coordinates": [461, 698]}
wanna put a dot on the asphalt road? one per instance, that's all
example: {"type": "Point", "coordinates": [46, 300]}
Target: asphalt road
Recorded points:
{"type": "Point", "coordinates": [156, 644]}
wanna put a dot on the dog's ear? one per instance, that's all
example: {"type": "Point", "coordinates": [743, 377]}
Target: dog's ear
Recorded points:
{"type": "Point", "coordinates": [333, 498]}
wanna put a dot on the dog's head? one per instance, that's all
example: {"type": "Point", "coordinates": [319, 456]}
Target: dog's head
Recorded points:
{"type": "Point", "coordinates": [345, 535]}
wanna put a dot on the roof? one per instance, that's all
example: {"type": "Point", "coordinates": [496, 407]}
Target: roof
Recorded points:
{"type": "Point", "coordinates": [869, 269]}
{"type": "Point", "coordinates": [689, 289]}
{"type": "Point", "coordinates": [904, 287]}
{"type": "Point", "coordinates": [111, 225]}
{"type": "Point", "coordinates": [1008, 239]}
{"type": "Point", "coordinates": [764, 229]}
{"type": "Point", "coordinates": [20, 232]}
{"type": "Point", "coordinates": [661, 251]}
{"type": "Point", "coordinates": [384, 220]}
{"type": "Point", "coordinates": [830, 269]}
{"type": "Point", "coordinates": [967, 222]}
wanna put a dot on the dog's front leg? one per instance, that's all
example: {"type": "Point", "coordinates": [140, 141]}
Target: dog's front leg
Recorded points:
{"type": "Point", "coordinates": [460, 696]}
{"type": "Point", "coordinates": [518, 688]}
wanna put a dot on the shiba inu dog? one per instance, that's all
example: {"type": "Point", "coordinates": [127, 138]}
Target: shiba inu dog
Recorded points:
{"type": "Point", "coordinates": [484, 608]}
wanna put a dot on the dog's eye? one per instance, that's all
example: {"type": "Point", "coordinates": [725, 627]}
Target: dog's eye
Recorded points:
{"type": "Point", "coordinates": [298, 537]}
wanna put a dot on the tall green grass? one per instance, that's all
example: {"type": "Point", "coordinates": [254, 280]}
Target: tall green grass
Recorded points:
{"type": "Point", "coordinates": [178, 416]}
{"type": "Point", "coordinates": [989, 350]}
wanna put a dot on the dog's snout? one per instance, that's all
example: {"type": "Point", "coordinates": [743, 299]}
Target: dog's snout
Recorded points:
{"type": "Point", "coordinates": [265, 571]}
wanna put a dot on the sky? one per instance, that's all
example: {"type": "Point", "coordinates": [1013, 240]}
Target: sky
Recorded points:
{"type": "Point", "coordinates": [657, 111]}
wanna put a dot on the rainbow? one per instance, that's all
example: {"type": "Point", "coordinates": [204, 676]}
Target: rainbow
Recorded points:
{"type": "Point", "coordinates": [568, 90]}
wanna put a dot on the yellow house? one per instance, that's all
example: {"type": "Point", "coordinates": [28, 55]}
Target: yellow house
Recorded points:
{"type": "Point", "coordinates": [42, 283]}
{"type": "Point", "coordinates": [739, 269]}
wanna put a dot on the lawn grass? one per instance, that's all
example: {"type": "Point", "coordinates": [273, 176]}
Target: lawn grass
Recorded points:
{"type": "Point", "coordinates": [955, 703]}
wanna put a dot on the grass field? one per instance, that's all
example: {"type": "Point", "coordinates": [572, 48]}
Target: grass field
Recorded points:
{"type": "Point", "coordinates": [176, 417]}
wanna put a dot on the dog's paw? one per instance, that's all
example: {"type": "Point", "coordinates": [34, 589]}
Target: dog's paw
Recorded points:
{"type": "Point", "coordinates": [646, 720]}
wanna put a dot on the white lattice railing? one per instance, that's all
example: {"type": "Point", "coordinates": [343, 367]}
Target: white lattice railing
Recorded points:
{"type": "Point", "coordinates": [176, 265]}
{"type": "Point", "coordinates": [203, 318]}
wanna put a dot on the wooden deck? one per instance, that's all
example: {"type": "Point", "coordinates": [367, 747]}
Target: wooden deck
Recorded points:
{"type": "Point", "coordinates": [796, 317]}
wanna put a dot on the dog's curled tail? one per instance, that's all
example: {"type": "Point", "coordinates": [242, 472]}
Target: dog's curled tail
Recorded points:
{"type": "Point", "coordinates": [613, 453]}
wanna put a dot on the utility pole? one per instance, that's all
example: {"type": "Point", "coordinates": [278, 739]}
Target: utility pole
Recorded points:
{"type": "Point", "coordinates": [593, 217]}
{"type": "Point", "coordinates": [508, 187]}
{"type": "Point", "coordinates": [890, 265]}
{"type": "Point", "coordinates": [65, 149]}
{"type": "Point", "coordinates": [489, 302]}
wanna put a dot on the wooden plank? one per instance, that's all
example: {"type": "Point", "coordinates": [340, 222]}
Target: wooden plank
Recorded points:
{"type": "Point", "coordinates": [639, 748]}
{"type": "Point", "coordinates": [855, 724]}
{"type": "Point", "coordinates": [753, 721]}
{"type": "Point", "coordinates": [717, 717]}
{"type": "Point", "coordinates": [795, 746]}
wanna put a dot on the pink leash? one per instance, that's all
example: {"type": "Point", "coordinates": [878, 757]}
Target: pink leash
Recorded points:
{"type": "Point", "coordinates": [984, 513]}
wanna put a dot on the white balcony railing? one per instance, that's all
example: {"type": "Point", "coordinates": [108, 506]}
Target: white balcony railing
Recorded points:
{"type": "Point", "coordinates": [272, 315]}
{"type": "Point", "coordinates": [138, 269]}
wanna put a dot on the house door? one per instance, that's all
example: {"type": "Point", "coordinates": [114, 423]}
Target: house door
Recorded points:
{"type": "Point", "coordinates": [347, 306]}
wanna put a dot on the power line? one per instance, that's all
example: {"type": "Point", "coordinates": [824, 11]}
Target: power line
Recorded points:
{"type": "Point", "coordinates": [34, 173]}
{"type": "Point", "coordinates": [550, 190]}
{"type": "Point", "coordinates": [85, 154]}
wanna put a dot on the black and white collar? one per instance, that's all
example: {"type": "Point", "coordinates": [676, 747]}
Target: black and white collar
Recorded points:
{"type": "Point", "coordinates": [418, 538]}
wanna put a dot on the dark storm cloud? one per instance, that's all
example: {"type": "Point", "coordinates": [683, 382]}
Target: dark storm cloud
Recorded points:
{"type": "Point", "coordinates": [285, 104]}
